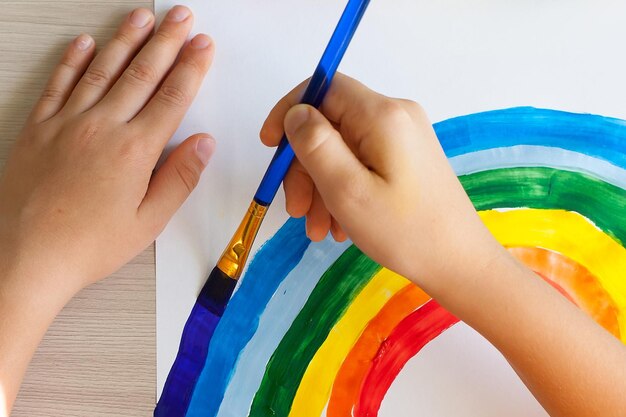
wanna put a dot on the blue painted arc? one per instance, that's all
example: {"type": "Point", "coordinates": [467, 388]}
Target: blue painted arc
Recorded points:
{"type": "Point", "coordinates": [596, 136]}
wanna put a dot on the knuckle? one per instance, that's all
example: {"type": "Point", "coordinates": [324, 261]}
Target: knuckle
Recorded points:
{"type": "Point", "coordinates": [68, 63]}
{"type": "Point", "coordinates": [195, 65]}
{"type": "Point", "coordinates": [392, 110]}
{"type": "Point", "coordinates": [96, 76]}
{"type": "Point", "coordinates": [163, 36]}
{"type": "Point", "coordinates": [124, 38]}
{"type": "Point", "coordinates": [52, 93]}
{"type": "Point", "coordinates": [89, 129]}
{"type": "Point", "coordinates": [322, 133]}
{"type": "Point", "coordinates": [142, 72]}
{"type": "Point", "coordinates": [414, 108]}
{"type": "Point", "coordinates": [173, 96]}
{"type": "Point", "coordinates": [187, 175]}
{"type": "Point", "coordinates": [134, 151]}
{"type": "Point", "coordinates": [83, 132]}
{"type": "Point", "coordinates": [314, 138]}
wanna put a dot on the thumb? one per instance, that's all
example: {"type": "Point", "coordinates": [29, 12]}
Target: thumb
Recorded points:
{"type": "Point", "coordinates": [322, 151]}
{"type": "Point", "coordinates": [172, 183]}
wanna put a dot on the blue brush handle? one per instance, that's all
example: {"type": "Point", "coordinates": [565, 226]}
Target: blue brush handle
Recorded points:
{"type": "Point", "coordinates": [314, 95]}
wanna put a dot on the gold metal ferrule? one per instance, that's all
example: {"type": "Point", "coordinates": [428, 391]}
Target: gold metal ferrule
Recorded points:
{"type": "Point", "coordinates": [236, 253]}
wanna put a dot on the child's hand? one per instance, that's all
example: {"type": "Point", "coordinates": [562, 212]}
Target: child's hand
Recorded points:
{"type": "Point", "coordinates": [372, 166]}
{"type": "Point", "coordinates": [78, 197]}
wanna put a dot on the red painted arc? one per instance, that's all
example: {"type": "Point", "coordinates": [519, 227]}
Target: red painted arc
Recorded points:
{"type": "Point", "coordinates": [407, 339]}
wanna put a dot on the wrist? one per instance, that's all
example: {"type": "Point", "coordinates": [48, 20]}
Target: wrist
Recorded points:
{"type": "Point", "coordinates": [29, 302]}
{"type": "Point", "coordinates": [468, 271]}
{"type": "Point", "coordinates": [484, 291]}
{"type": "Point", "coordinates": [30, 280]}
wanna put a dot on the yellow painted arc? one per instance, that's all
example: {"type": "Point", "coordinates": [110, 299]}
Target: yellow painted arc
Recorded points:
{"type": "Point", "coordinates": [316, 384]}
{"type": "Point", "coordinates": [571, 235]}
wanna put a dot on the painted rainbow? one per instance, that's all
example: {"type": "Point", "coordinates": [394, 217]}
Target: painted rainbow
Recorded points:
{"type": "Point", "coordinates": [320, 328]}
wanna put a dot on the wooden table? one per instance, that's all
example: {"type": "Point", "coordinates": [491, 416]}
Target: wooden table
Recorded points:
{"type": "Point", "coordinates": [99, 356]}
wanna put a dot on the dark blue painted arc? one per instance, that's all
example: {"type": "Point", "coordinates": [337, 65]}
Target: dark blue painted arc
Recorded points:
{"type": "Point", "coordinates": [597, 136]}
{"type": "Point", "coordinates": [271, 264]}
{"type": "Point", "coordinates": [189, 362]}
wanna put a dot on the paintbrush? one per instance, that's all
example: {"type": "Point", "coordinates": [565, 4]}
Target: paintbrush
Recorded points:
{"type": "Point", "coordinates": [221, 283]}
{"type": "Point", "coordinates": [222, 280]}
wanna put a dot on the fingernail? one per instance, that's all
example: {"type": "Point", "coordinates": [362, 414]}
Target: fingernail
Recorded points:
{"type": "Point", "coordinates": [201, 41]}
{"type": "Point", "coordinates": [296, 117]}
{"type": "Point", "coordinates": [204, 149]}
{"type": "Point", "coordinates": [83, 42]}
{"type": "Point", "coordinates": [178, 14]}
{"type": "Point", "coordinates": [140, 18]}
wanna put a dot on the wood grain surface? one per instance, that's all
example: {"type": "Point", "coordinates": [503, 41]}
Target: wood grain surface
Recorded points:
{"type": "Point", "coordinates": [99, 356]}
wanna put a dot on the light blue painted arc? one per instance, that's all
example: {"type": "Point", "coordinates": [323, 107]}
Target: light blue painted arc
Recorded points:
{"type": "Point", "coordinates": [269, 267]}
{"type": "Point", "coordinates": [280, 313]}
{"type": "Point", "coordinates": [538, 156]}
{"type": "Point", "coordinates": [596, 136]}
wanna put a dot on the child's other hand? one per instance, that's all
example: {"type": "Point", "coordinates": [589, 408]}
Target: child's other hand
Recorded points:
{"type": "Point", "coordinates": [371, 167]}
{"type": "Point", "coordinates": [78, 197]}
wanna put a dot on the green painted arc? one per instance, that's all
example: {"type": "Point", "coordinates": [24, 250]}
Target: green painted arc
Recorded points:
{"type": "Point", "coordinates": [531, 187]}
{"type": "Point", "coordinates": [328, 302]}
{"type": "Point", "coordinates": [548, 188]}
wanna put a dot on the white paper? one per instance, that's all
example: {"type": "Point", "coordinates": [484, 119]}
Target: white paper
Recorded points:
{"type": "Point", "coordinates": [455, 57]}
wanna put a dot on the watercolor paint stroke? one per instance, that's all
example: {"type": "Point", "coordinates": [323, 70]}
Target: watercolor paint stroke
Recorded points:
{"type": "Point", "coordinates": [274, 322]}
{"type": "Point", "coordinates": [567, 169]}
